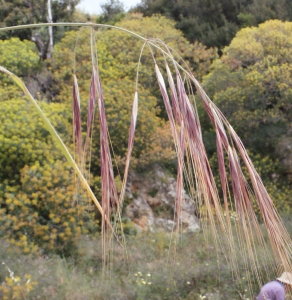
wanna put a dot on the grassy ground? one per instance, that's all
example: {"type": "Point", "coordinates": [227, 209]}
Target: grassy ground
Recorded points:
{"type": "Point", "coordinates": [148, 270]}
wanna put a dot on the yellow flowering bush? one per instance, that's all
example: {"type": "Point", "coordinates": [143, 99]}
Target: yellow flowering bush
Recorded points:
{"type": "Point", "coordinates": [45, 211]}
{"type": "Point", "coordinates": [24, 139]}
{"type": "Point", "coordinates": [9, 91]}
{"type": "Point", "coordinates": [19, 57]}
{"type": "Point", "coordinates": [39, 206]}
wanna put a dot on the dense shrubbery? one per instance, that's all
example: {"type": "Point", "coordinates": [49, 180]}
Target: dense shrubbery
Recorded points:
{"type": "Point", "coordinates": [46, 211]}
{"type": "Point", "coordinates": [252, 86]}
{"type": "Point", "coordinates": [9, 92]}
{"type": "Point", "coordinates": [19, 57]}
{"type": "Point", "coordinates": [269, 170]}
{"type": "Point", "coordinates": [250, 83]}
{"type": "Point", "coordinates": [24, 139]}
{"type": "Point", "coordinates": [215, 23]}
{"type": "Point", "coordinates": [118, 54]}
{"type": "Point", "coordinates": [40, 207]}
{"type": "Point", "coordinates": [15, 12]}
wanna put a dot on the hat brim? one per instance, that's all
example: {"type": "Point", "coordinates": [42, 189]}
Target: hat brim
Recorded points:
{"type": "Point", "coordinates": [284, 281]}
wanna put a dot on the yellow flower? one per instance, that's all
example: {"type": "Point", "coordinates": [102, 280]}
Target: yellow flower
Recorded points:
{"type": "Point", "coordinates": [8, 201]}
{"type": "Point", "coordinates": [23, 238]}
{"type": "Point", "coordinates": [26, 250]}
{"type": "Point", "coordinates": [9, 281]}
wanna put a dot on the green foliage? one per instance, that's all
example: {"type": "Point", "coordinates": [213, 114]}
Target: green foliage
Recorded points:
{"type": "Point", "coordinates": [252, 86]}
{"type": "Point", "coordinates": [270, 172]}
{"type": "Point", "coordinates": [39, 205]}
{"type": "Point", "coordinates": [18, 57]}
{"type": "Point", "coordinates": [119, 98]}
{"type": "Point", "coordinates": [277, 187]}
{"type": "Point", "coordinates": [263, 10]}
{"type": "Point", "coordinates": [159, 275]}
{"type": "Point", "coordinates": [197, 57]}
{"type": "Point", "coordinates": [112, 12]}
{"type": "Point", "coordinates": [118, 71]}
{"type": "Point", "coordinates": [118, 54]}
{"type": "Point", "coordinates": [270, 40]}
{"type": "Point", "coordinates": [24, 139]}
{"type": "Point", "coordinates": [215, 23]}
{"type": "Point", "coordinates": [45, 211]}
{"type": "Point", "coordinates": [40, 211]}
{"type": "Point", "coordinates": [9, 91]}
{"type": "Point", "coordinates": [19, 12]}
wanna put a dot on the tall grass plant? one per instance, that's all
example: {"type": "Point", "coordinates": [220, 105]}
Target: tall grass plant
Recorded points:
{"type": "Point", "coordinates": [235, 231]}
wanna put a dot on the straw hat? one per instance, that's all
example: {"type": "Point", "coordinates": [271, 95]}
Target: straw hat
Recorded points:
{"type": "Point", "coordinates": [286, 278]}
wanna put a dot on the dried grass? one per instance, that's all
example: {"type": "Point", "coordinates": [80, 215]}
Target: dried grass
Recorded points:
{"type": "Point", "coordinates": [238, 239]}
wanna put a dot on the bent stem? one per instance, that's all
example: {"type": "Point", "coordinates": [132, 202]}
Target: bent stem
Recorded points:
{"type": "Point", "coordinates": [188, 141]}
{"type": "Point", "coordinates": [56, 137]}
{"type": "Point", "coordinates": [94, 25]}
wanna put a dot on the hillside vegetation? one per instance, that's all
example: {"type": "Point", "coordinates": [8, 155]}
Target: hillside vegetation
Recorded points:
{"type": "Point", "coordinates": [40, 209]}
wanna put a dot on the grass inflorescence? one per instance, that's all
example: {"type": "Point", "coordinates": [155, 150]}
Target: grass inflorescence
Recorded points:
{"type": "Point", "coordinates": [236, 234]}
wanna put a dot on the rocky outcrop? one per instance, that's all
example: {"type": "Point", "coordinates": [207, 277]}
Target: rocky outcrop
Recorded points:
{"type": "Point", "coordinates": [150, 202]}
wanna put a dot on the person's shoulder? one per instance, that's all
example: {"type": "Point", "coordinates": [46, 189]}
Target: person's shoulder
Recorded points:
{"type": "Point", "coordinates": [274, 284]}
{"type": "Point", "coordinates": [278, 285]}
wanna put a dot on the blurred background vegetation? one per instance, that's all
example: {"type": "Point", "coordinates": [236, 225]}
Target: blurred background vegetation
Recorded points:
{"type": "Point", "coordinates": [236, 48]}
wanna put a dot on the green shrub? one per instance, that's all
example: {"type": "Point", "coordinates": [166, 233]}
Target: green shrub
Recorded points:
{"type": "Point", "coordinates": [45, 212]}
{"type": "Point", "coordinates": [19, 57]}
{"type": "Point", "coordinates": [24, 139]}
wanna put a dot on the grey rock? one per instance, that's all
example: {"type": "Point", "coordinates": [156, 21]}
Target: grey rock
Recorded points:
{"type": "Point", "coordinates": [152, 203]}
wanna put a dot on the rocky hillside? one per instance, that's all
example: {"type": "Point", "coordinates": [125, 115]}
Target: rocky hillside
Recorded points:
{"type": "Point", "coordinates": [150, 202]}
